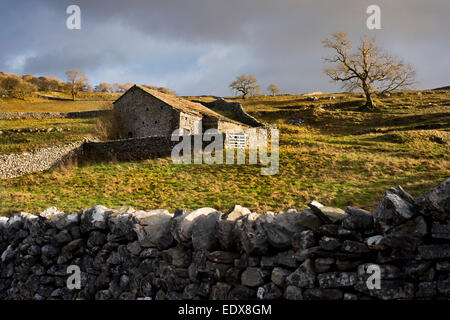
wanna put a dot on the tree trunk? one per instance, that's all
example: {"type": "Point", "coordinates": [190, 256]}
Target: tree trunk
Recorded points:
{"type": "Point", "coordinates": [369, 105]}
{"type": "Point", "coordinates": [244, 94]}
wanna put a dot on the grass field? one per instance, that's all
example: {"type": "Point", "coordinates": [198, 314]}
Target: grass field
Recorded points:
{"type": "Point", "coordinates": [332, 158]}
{"type": "Point", "coordinates": [17, 142]}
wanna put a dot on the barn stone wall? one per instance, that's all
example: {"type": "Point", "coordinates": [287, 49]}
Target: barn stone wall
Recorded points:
{"type": "Point", "coordinates": [316, 253]}
{"type": "Point", "coordinates": [191, 123]}
{"type": "Point", "coordinates": [141, 115]}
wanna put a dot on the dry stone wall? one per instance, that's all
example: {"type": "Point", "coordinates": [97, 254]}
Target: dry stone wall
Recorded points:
{"type": "Point", "coordinates": [14, 165]}
{"type": "Point", "coordinates": [52, 115]}
{"type": "Point", "coordinates": [316, 253]}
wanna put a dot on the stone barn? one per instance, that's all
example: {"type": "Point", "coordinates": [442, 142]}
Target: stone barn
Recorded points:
{"type": "Point", "coordinates": [143, 112]}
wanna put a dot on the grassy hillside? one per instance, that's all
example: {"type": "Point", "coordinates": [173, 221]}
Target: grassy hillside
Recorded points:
{"type": "Point", "coordinates": [38, 103]}
{"type": "Point", "coordinates": [339, 156]}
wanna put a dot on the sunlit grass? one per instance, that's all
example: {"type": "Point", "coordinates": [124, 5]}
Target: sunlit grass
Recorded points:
{"type": "Point", "coordinates": [17, 142]}
{"type": "Point", "coordinates": [325, 159]}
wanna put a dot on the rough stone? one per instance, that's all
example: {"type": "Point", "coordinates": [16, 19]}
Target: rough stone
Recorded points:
{"type": "Point", "coordinates": [303, 276]}
{"type": "Point", "coordinates": [354, 247]}
{"type": "Point", "coordinates": [177, 257]}
{"type": "Point", "coordinates": [269, 292]}
{"type": "Point", "coordinates": [303, 240]}
{"type": "Point", "coordinates": [327, 214]}
{"type": "Point", "coordinates": [434, 251]}
{"type": "Point", "coordinates": [426, 289]}
{"type": "Point", "coordinates": [189, 220]}
{"type": "Point", "coordinates": [396, 207]}
{"type": "Point", "coordinates": [441, 230]}
{"type": "Point", "coordinates": [337, 279]}
{"type": "Point", "coordinates": [407, 235]}
{"type": "Point", "coordinates": [323, 264]}
{"type": "Point", "coordinates": [279, 276]}
{"type": "Point", "coordinates": [436, 202]}
{"type": "Point", "coordinates": [222, 257]}
{"type": "Point", "coordinates": [242, 293]}
{"type": "Point", "coordinates": [390, 290]}
{"type": "Point", "coordinates": [329, 244]}
{"type": "Point", "coordinates": [204, 232]}
{"type": "Point", "coordinates": [286, 259]}
{"type": "Point", "coordinates": [95, 218]}
{"type": "Point", "coordinates": [293, 293]}
{"type": "Point", "coordinates": [375, 242]}
{"type": "Point", "coordinates": [322, 294]}
{"type": "Point", "coordinates": [226, 233]}
{"type": "Point", "coordinates": [220, 291]}
{"type": "Point", "coordinates": [357, 219]}
{"type": "Point", "coordinates": [307, 219]}
{"type": "Point", "coordinates": [252, 235]}
{"type": "Point", "coordinates": [153, 228]}
{"type": "Point", "coordinates": [252, 277]}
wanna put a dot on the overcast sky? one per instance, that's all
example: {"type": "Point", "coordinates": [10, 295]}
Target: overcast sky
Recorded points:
{"type": "Point", "coordinates": [199, 46]}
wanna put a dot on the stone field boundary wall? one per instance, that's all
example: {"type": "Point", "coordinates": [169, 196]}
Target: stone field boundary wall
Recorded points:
{"type": "Point", "coordinates": [15, 165]}
{"type": "Point", "coordinates": [317, 253]}
{"type": "Point", "coordinates": [87, 150]}
{"type": "Point", "coordinates": [52, 115]}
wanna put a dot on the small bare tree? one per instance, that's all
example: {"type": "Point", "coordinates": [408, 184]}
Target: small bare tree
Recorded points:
{"type": "Point", "coordinates": [369, 68]}
{"type": "Point", "coordinates": [104, 87]}
{"type": "Point", "coordinates": [245, 84]}
{"type": "Point", "coordinates": [273, 88]}
{"type": "Point", "coordinates": [77, 81]}
{"type": "Point", "coordinates": [14, 85]}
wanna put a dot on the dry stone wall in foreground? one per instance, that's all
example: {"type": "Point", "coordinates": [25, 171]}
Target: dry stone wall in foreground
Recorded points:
{"type": "Point", "coordinates": [316, 253]}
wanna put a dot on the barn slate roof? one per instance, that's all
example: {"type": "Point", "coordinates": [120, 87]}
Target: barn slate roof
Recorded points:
{"type": "Point", "coordinates": [183, 105]}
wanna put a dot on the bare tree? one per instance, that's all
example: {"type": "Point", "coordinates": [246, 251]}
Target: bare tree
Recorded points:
{"type": "Point", "coordinates": [77, 81]}
{"type": "Point", "coordinates": [15, 86]}
{"type": "Point", "coordinates": [273, 88]}
{"type": "Point", "coordinates": [161, 89]}
{"type": "Point", "coordinates": [245, 84]}
{"type": "Point", "coordinates": [368, 68]}
{"type": "Point", "coordinates": [104, 87]}
{"type": "Point", "coordinates": [126, 86]}
{"type": "Point", "coordinates": [23, 89]}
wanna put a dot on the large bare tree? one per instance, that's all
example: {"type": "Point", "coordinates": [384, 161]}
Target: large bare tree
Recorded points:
{"type": "Point", "coordinates": [245, 84]}
{"type": "Point", "coordinates": [77, 81]}
{"type": "Point", "coordinates": [368, 68]}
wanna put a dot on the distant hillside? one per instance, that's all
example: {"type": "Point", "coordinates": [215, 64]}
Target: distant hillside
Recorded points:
{"type": "Point", "coordinates": [442, 88]}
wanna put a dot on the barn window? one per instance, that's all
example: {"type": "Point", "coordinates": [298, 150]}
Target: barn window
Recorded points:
{"type": "Point", "coordinates": [156, 122]}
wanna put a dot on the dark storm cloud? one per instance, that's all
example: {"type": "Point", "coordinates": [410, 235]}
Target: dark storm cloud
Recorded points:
{"type": "Point", "coordinates": [198, 47]}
